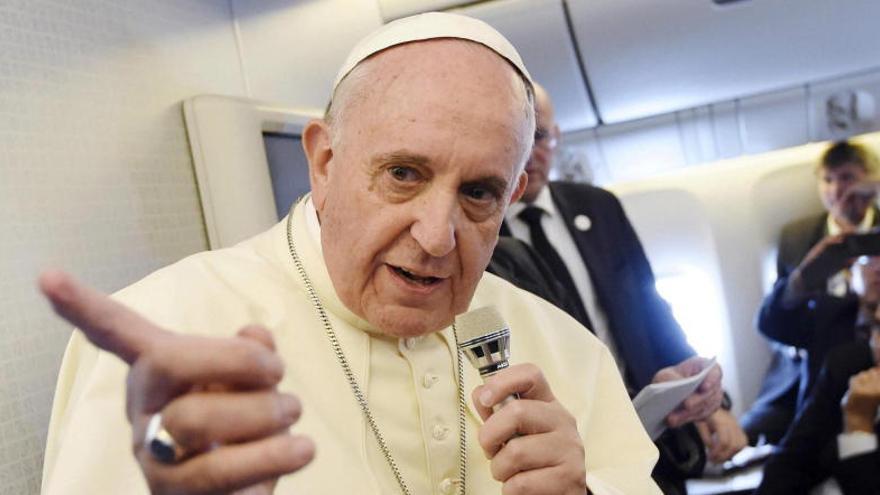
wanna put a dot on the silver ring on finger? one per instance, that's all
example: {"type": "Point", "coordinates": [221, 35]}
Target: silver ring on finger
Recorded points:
{"type": "Point", "coordinates": [160, 443]}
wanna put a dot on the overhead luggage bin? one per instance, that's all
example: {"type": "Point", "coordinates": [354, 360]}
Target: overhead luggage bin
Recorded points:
{"type": "Point", "coordinates": [540, 32]}
{"type": "Point", "coordinates": [647, 58]}
{"type": "Point", "coordinates": [773, 120]}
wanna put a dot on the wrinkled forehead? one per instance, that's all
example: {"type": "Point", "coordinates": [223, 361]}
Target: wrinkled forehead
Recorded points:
{"type": "Point", "coordinates": [442, 82]}
{"type": "Point", "coordinates": [450, 70]}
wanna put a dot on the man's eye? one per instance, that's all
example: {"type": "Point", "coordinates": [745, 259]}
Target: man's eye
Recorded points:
{"type": "Point", "coordinates": [403, 174]}
{"type": "Point", "coordinates": [478, 193]}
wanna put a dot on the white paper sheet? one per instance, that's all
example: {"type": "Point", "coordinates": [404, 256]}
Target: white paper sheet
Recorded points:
{"type": "Point", "coordinates": [657, 400]}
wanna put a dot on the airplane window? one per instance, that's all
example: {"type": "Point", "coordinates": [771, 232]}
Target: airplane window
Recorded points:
{"type": "Point", "coordinates": [768, 271]}
{"type": "Point", "coordinates": [696, 305]}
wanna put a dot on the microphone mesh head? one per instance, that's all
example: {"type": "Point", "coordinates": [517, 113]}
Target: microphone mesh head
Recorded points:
{"type": "Point", "coordinates": [481, 321]}
{"type": "Point", "coordinates": [485, 339]}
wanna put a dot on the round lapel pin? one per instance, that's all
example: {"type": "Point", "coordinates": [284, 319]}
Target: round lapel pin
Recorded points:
{"type": "Point", "coordinates": [582, 223]}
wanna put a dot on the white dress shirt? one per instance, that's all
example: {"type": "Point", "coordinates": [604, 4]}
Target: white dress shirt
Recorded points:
{"type": "Point", "coordinates": [855, 443]}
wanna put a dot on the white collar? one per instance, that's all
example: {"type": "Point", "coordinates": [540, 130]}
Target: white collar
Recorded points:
{"type": "Point", "coordinates": [864, 226]}
{"type": "Point", "coordinates": [544, 201]}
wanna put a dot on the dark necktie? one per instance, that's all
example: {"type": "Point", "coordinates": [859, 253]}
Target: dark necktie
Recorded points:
{"type": "Point", "coordinates": [531, 215]}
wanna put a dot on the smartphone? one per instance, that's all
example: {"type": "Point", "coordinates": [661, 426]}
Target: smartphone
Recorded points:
{"type": "Point", "coordinates": [862, 244]}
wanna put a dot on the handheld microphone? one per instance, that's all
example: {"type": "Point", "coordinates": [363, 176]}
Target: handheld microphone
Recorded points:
{"type": "Point", "coordinates": [486, 343]}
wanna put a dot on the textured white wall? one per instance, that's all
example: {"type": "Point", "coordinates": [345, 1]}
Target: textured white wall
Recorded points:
{"type": "Point", "coordinates": [95, 171]}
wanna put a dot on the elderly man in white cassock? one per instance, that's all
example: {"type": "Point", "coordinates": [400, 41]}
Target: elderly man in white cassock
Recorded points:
{"type": "Point", "coordinates": [320, 356]}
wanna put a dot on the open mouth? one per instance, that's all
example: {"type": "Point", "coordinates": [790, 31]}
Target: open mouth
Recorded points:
{"type": "Point", "coordinates": [413, 277]}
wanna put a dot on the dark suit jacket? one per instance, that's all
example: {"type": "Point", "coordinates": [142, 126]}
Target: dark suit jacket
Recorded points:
{"type": "Point", "coordinates": [519, 264]}
{"type": "Point", "coordinates": [818, 324]}
{"type": "Point", "coordinates": [808, 453]}
{"type": "Point", "coordinates": [646, 334]}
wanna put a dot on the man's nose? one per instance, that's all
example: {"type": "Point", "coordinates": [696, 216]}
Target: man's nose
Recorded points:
{"type": "Point", "coordinates": [434, 228]}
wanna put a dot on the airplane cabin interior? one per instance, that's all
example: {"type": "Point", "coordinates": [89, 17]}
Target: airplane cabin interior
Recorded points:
{"type": "Point", "coordinates": [137, 133]}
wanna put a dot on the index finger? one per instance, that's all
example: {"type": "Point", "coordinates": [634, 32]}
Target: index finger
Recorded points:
{"type": "Point", "coordinates": [523, 380]}
{"type": "Point", "coordinates": [107, 323]}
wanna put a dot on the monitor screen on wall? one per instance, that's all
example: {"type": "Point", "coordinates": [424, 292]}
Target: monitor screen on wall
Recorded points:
{"type": "Point", "coordinates": [248, 161]}
{"type": "Point", "coordinates": [288, 169]}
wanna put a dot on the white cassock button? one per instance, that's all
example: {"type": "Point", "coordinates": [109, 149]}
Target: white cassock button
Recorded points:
{"type": "Point", "coordinates": [447, 486]}
{"type": "Point", "coordinates": [409, 343]}
{"type": "Point", "coordinates": [429, 380]}
{"type": "Point", "coordinates": [582, 223]}
{"type": "Point", "coordinates": [440, 432]}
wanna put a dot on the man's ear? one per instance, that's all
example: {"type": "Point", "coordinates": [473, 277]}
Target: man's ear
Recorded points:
{"type": "Point", "coordinates": [316, 139]}
{"type": "Point", "coordinates": [520, 187]}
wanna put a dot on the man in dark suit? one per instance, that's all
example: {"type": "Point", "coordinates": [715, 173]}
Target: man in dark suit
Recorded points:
{"type": "Point", "coordinates": [584, 235]}
{"type": "Point", "coordinates": [519, 264]}
{"type": "Point", "coordinates": [812, 307]}
{"type": "Point", "coordinates": [835, 433]}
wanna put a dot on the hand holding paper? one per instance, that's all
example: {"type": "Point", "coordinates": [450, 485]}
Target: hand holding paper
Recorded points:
{"type": "Point", "coordinates": [686, 392]}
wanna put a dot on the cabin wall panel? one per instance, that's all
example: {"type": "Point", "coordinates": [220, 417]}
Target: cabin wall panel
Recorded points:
{"type": "Point", "coordinates": [95, 171]}
{"type": "Point", "coordinates": [289, 56]}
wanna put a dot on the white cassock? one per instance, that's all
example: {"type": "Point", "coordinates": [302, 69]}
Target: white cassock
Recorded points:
{"type": "Point", "coordinates": [410, 383]}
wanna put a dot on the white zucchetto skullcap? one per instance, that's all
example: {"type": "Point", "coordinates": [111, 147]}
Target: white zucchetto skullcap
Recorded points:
{"type": "Point", "coordinates": [428, 26]}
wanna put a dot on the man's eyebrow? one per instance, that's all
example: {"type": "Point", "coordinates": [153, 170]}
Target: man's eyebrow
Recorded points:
{"type": "Point", "coordinates": [400, 157]}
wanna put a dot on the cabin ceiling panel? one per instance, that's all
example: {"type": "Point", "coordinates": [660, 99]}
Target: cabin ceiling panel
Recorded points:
{"type": "Point", "coordinates": [539, 30]}
{"type": "Point", "coordinates": [646, 58]}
